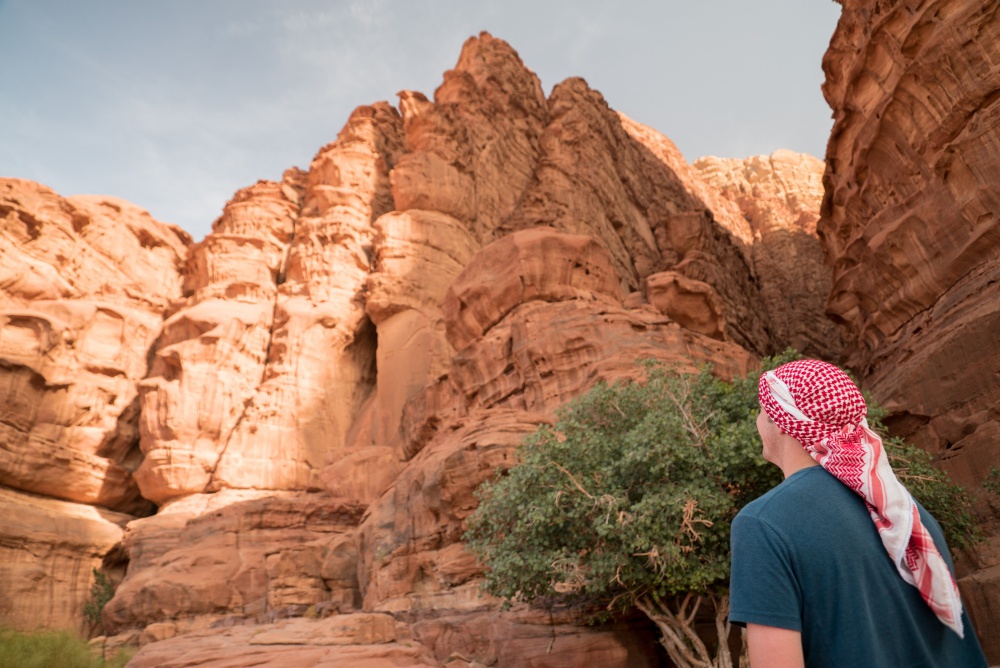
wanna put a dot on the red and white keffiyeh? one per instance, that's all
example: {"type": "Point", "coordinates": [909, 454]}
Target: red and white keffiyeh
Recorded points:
{"type": "Point", "coordinates": [818, 405]}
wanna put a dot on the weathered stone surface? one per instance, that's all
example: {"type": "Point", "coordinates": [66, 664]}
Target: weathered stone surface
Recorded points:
{"type": "Point", "coordinates": [692, 304]}
{"type": "Point", "coordinates": [322, 359]}
{"type": "Point", "coordinates": [910, 220]}
{"type": "Point", "coordinates": [534, 264]}
{"type": "Point", "coordinates": [256, 391]}
{"type": "Point", "coordinates": [471, 152]}
{"type": "Point", "coordinates": [723, 209]}
{"type": "Point", "coordinates": [605, 176]}
{"type": "Point", "coordinates": [525, 637]}
{"type": "Point", "coordinates": [48, 550]}
{"type": "Point", "coordinates": [411, 556]}
{"type": "Point", "coordinates": [83, 283]}
{"type": "Point", "coordinates": [910, 213]}
{"type": "Point", "coordinates": [417, 255]}
{"type": "Point", "coordinates": [359, 641]}
{"type": "Point", "coordinates": [236, 553]}
{"type": "Point", "coordinates": [212, 353]}
{"type": "Point", "coordinates": [779, 196]}
{"type": "Point", "coordinates": [546, 353]}
{"type": "Point", "coordinates": [89, 246]}
{"type": "Point", "coordinates": [592, 179]}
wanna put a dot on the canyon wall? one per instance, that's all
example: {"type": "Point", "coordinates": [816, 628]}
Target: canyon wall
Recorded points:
{"type": "Point", "coordinates": [364, 343]}
{"type": "Point", "coordinates": [84, 283]}
{"type": "Point", "coordinates": [910, 223]}
{"type": "Point", "coordinates": [312, 393]}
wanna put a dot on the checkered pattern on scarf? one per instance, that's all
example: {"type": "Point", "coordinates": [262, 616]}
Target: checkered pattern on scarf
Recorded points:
{"type": "Point", "coordinates": [820, 406]}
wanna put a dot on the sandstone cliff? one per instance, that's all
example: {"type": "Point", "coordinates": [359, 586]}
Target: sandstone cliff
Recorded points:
{"type": "Point", "coordinates": [312, 393]}
{"type": "Point", "coordinates": [779, 196]}
{"type": "Point", "coordinates": [910, 222]}
{"type": "Point", "coordinates": [84, 283]}
{"type": "Point", "coordinates": [362, 344]}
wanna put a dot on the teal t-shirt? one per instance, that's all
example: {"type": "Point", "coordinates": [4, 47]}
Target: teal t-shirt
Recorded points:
{"type": "Point", "coordinates": [807, 557]}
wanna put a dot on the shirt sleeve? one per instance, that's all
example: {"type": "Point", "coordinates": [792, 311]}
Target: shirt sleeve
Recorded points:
{"type": "Point", "coordinates": [763, 588]}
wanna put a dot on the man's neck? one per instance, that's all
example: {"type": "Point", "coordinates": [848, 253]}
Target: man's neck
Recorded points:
{"type": "Point", "coordinates": [795, 458]}
{"type": "Point", "coordinates": [789, 471]}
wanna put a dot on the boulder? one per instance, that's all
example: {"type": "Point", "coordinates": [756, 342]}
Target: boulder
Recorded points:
{"type": "Point", "coordinates": [48, 551]}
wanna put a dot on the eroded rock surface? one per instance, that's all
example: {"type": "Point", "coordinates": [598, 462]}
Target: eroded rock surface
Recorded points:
{"type": "Point", "coordinates": [234, 554]}
{"type": "Point", "coordinates": [909, 217]}
{"type": "Point", "coordinates": [910, 220]}
{"type": "Point", "coordinates": [362, 640]}
{"type": "Point", "coordinates": [84, 282]}
{"type": "Point", "coordinates": [257, 378]}
{"type": "Point", "coordinates": [83, 285]}
{"type": "Point", "coordinates": [48, 551]}
{"type": "Point", "coordinates": [605, 176]}
{"type": "Point", "coordinates": [779, 196]}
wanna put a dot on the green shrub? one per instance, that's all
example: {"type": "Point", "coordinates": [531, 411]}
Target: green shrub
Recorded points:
{"type": "Point", "coordinates": [51, 649]}
{"type": "Point", "coordinates": [100, 593]}
{"type": "Point", "coordinates": [627, 501]}
{"type": "Point", "coordinates": [992, 482]}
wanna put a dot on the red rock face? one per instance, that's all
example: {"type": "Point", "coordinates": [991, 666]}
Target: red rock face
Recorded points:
{"type": "Point", "coordinates": [48, 549]}
{"type": "Point", "coordinates": [910, 221]}
{"type": "Point", "coordinates": [355, 348]}
{"type": "Point", "coordinates": [84, 282]}
{"type": "Point", "coordinates": [779, 196]}
{"type": "Point", "coordinates": [258, 376]}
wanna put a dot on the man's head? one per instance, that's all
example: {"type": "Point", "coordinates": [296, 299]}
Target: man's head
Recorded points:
{"type": "Point", "coordinates": [811, 401]}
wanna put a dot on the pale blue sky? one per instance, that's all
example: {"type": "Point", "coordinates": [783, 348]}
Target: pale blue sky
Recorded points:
{"type": "Point", "coordinates": [175, 104]}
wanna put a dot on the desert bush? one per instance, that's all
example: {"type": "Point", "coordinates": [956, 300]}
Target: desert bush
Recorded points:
{"type": "Point", "coordinates": [101, 591]}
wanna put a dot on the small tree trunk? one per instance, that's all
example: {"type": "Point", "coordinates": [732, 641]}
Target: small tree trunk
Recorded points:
{"type": "Point", "coordinates": [722, 629]}
{"type": "Point", "coordinates": [677, 632]}
{"type": "Point", "coordinates": [744, 649]}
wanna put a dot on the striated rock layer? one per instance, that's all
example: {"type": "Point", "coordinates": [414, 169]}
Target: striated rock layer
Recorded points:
{"type": "Point", "coordinates": [84, 283]}
{"type": "Point", "coordinates": [911, 221]}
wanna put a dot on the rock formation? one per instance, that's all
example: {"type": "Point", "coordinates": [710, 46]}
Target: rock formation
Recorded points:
{"type": "Point", "coordinates": [257, 377]}
{"type": "Point", "coordinates": [779, 196]}
{"type": "Point", "coordinates": [381, 332]}
{"type": "Point", "coordinates": [355, 348]}
{"type": "Point", "coordinates": [84, 282]}
{"type": "Point", "coordinates": [48, 550]}
{"type": "Point", "coordinates": [910, 222]}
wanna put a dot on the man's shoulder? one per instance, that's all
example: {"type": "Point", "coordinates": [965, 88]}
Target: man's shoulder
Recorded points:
{"type": "Point", "coordinates": [801, 490]}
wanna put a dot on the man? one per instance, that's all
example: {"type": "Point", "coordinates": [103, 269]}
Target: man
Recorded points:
{"type": "Point", "coordinates": [838, 566]}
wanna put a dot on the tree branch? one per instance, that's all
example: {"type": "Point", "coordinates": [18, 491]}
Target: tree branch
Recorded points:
{"type": "Point", "coordinates": [570, 476]}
